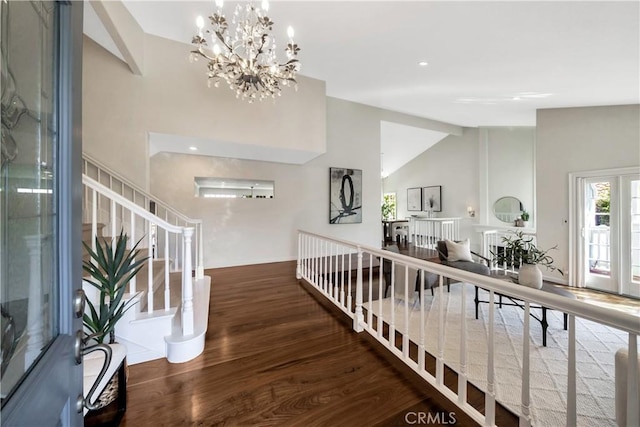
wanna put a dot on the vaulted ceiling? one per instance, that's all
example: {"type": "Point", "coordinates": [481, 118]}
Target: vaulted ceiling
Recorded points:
{"type": "Point", "coordinates": [489, 63]}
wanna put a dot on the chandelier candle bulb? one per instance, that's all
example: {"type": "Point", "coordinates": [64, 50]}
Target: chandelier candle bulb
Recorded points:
{"type": "Point", "coordinates": [244, 56]}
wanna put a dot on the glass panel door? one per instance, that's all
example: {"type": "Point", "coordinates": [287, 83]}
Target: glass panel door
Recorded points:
{"type": "Point", "coordinates": [600, 234]}
{"type": "Point", "coordinates": [40, 378]}
{"type": "Point", "coordinates": [631, 236]}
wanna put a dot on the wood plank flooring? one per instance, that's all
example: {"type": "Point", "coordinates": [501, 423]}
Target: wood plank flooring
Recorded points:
{"type": "Point", "coordinates": [274, 356]}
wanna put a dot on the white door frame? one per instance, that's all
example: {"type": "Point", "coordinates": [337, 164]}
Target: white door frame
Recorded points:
{"type": "Point", "coordinates": [576, 219]}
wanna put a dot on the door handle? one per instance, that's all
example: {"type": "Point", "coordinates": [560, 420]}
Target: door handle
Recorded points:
{"type": "Point", "coordinates": [79, 301]}
{"type": "Point", "coordinates": [78, 346]}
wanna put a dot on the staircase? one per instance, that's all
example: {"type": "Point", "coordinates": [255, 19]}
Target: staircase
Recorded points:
{"type": "Point", "coordinates": [169, 318]}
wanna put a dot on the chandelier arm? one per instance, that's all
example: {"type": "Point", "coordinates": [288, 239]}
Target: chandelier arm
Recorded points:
{"type": "Point", "coordinates": [219, 36]}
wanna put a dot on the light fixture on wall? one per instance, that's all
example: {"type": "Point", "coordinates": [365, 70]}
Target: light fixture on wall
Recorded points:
{"type": "Point", "coordinates": [471, 212]}
{"type": "Point", "coordinates": [245, 56]}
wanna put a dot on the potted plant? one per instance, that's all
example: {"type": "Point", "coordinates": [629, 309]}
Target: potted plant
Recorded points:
{"type": "Point", "coordinates": [525, 218]}
{"type": "Point", "coordinates": [111, 267]}
{"type": "Point", "coordinates": [519, 251]}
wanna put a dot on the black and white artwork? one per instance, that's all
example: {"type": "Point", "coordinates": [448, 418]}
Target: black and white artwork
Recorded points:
{"type": "Point", "coordinates": [432, 198]}
{"type": "Point", "coordinates": [414, 199]}
{"type": "Point", "coordinates": [345, 196]}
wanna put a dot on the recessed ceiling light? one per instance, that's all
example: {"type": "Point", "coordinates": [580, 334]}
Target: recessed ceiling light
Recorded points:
{"type": "Point", "coordinates": [516, 98]}
{"type": "Point", "coordinates": [423, 63]}
{"type": "Point", "coordinates": [193, 148]}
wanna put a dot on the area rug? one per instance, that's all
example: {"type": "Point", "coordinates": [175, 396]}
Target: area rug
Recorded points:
{"type": "Point", "coordinates": [595, 349]}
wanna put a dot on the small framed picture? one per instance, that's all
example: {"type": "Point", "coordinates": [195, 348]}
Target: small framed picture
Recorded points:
{"type": "Point", "coordinates": [432, 198]}
{"type": "Point", "coordinates": [414, 199]}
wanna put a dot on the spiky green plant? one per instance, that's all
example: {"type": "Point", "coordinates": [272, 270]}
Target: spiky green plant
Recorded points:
{"type": "Point", "coordinates": [111, 268]}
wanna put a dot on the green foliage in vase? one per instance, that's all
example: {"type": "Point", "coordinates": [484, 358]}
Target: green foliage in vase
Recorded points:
{"type": "Point", "coordinates": [518, 247]}
{"type": "Point", "coordinates": [389, 207]}
{"type": "Point", "coordinates": [111, 267]}
{"type": "Point", "coordinates": [525, 216]}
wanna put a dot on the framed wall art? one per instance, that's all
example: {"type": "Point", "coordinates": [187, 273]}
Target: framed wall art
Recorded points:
{"type": "Point", "coordinates": [414, 199]}
{"type": "Point", "coordinates": [345, 196]}
{"type": "Point", "coordinates": [432, 198]}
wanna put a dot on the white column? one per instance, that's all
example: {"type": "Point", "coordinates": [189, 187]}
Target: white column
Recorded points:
{"type": "Point", "coordinates": [35, 321]}
{"type": "Point", "coordinates": [187, 285]}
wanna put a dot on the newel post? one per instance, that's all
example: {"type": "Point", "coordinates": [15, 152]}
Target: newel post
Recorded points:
{"type": "Point", "coordinates": [187, 285]}
{"type": "Point", "coordinates": [358, 319]}
{"type": "Point", "coordinates": [299, 259]}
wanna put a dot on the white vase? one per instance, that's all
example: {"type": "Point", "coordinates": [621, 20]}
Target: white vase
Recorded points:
{"type": "Point", "coordinates": [530, 275]}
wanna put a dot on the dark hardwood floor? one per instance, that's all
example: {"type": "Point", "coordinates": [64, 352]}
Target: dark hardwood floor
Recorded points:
{"type": "Point", "coordinates": [275, 356]}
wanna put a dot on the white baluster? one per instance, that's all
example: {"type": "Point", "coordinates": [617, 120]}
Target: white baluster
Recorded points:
{"type": "Point", "coordinates": [440, 359]}
{"type": "Point", "coordinates": [113, 220]}
{"type": "Point", "coordinates": [94, 220]}
{"type": "Point", "coordinates": [525, 416]}
{"type": "Point", "coordinates": [150, 270]}
{"type": "Point", "coordinates": [369, 313]}
{"type": "Point", "coordinates": [490, 395]}
{"type": "Point", "coordinates": [200, 252]}
{"type": "Point", "coordinates": [132, 240]}
{"type": "Point", "coordinates": [187, 286]}
{"type": "Point", "coordinates": [348, 303]}
{"type": "Point", "coordinates": [633, 418]}
{"type": "Point", "coordinates": [572, 418]}
{"type": "Point", "coordinates": [358, 319]}
{"type": "Point", "coordinates": [336, 287]}
{"type": "Point", "coordinates": [421, 347]}
{"type": "Point", "coordinates": [392, 325]}
{"type": "Point", "coordinates": [405, 334]}
{"type": "Point", "coordinates": [462, 375]}
{"type": "Point", "coordinates": [299, 259]}
{"type": "Point", "coordinates": [167, 277]}
{"type": "Point", "coordinates": [380, 296]}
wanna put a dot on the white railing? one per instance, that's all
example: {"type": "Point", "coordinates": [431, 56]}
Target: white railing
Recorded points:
{"type": "Point", "coordinates": [426, 232]}
{"type": "Point", "coordinates": [135, 220]}
{"type": "Point", "coordinates": [328, 265]}
{"type": "Point", "coordinates": [112, 180]}
{"type": "Point", "coordinates": [493, 244]}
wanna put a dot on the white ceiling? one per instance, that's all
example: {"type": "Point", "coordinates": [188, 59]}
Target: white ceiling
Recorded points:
{"type": "Point", "coordinates": [490, 63]}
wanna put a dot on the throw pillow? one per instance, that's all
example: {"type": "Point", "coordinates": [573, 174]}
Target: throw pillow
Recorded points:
{"type": "Point", "coordinates": [458, 251]}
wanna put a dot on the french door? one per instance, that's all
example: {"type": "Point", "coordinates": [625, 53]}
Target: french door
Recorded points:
{"type": "Point", "coordinates": [41, 46]}
{"type": "Point", "coordinates": [608, 230]}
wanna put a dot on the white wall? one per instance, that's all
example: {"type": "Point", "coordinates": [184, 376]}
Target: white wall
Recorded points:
{"type": "Point", "coordinates": [510, 169]}
{"type": "Point", "coordinates": [573, 140]}
{"type": "Point", "coordinates": [250, 231]}
{"type": "Point", "coordinates": [172, 97]}
{"type": "Point", "coordinates": [453, 164]}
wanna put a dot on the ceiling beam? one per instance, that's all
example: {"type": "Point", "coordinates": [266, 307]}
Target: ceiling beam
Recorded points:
{"type": "Point", "coordinates": [124, 30]}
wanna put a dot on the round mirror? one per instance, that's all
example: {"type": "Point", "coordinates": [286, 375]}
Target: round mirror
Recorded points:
{"type": "Point", "coordinates": [507, 209]}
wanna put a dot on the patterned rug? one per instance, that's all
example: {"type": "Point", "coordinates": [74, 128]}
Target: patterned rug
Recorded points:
{"type": "Point", "coordinates": [595, 349]}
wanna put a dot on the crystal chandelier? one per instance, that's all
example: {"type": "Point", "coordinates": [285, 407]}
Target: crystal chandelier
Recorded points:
{"type": "Point", "coordinates": [245, 56]}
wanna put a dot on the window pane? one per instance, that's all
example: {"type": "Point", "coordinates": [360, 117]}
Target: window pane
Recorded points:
{"type": "Point", "coordinates": [27, 209]}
